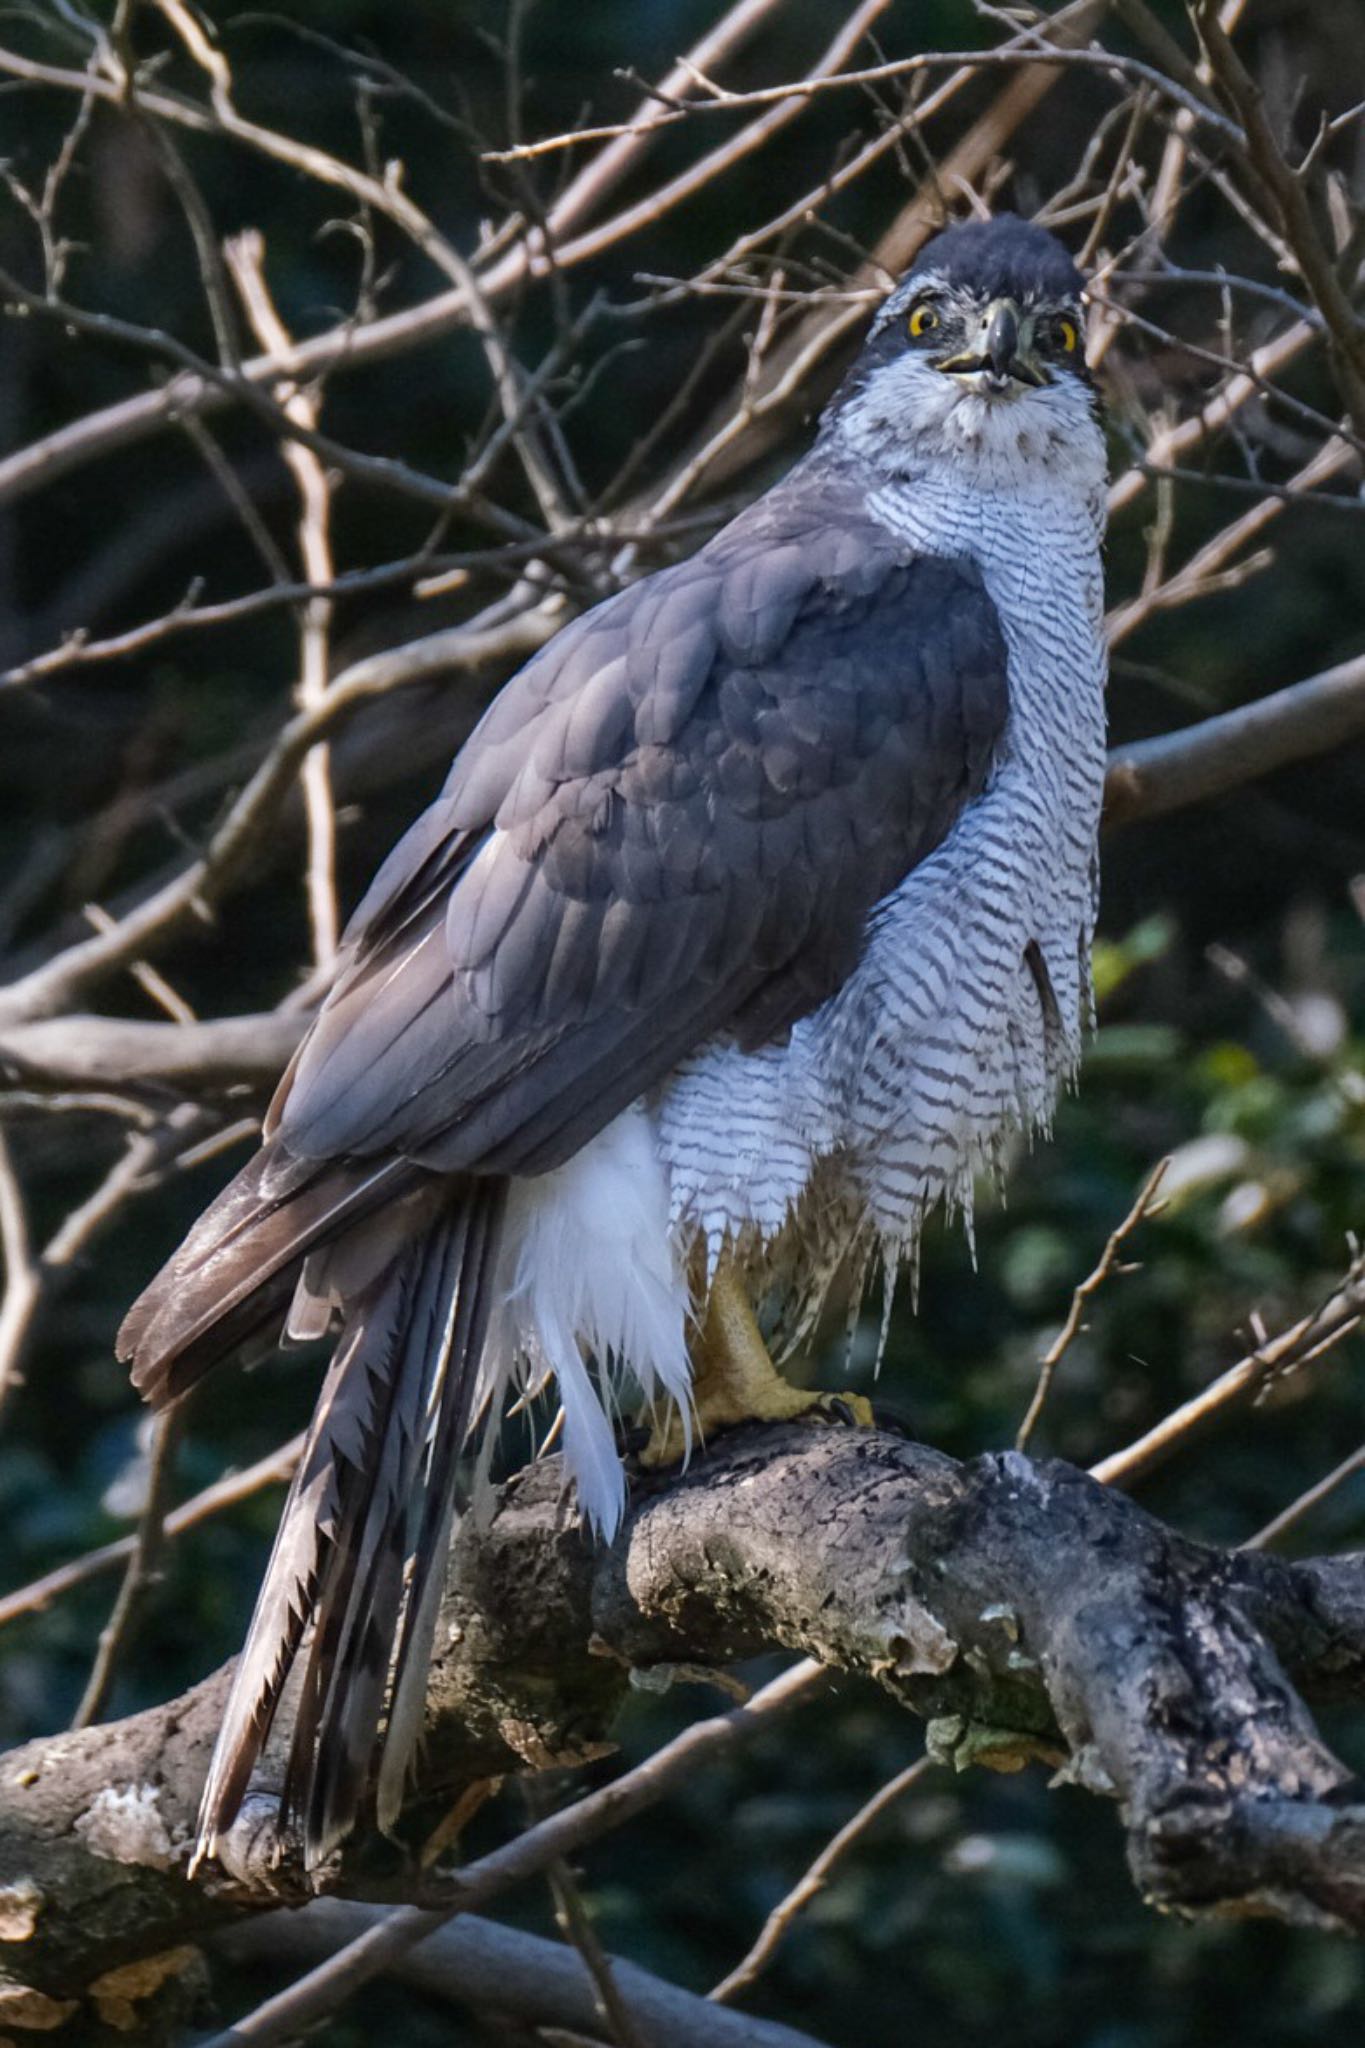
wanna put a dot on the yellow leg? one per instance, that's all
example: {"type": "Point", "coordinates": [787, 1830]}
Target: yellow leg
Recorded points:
{"type": "Point", "coordinates": [734, 1379]}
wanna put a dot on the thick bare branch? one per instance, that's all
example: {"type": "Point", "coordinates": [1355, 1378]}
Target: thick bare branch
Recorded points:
{"type": "Point", "coordinates": [196, 1059]}
{"type": "Point", "coordinates": [488, 1968]}
{"type": "Point", "coordinates": [1022, 1608]}
{"type": "Point", "coordinates": [1219, 754]}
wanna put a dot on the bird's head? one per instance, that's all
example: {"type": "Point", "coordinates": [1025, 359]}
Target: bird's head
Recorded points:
{"type": "Point", "coordinates": [978, 354]}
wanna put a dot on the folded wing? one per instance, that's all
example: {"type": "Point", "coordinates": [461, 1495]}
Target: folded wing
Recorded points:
{"type": "Point", "coordinates": [673, 822]}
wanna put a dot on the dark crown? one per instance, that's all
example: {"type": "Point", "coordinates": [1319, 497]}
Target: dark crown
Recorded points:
{"type": "Point", "coordinates": [1001, 258]}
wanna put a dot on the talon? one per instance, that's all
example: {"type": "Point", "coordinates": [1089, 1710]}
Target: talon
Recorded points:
{"type": "Point", "coordinates": [852, 1410]}
{"type": "Point", "coordinates": [734, 1381]}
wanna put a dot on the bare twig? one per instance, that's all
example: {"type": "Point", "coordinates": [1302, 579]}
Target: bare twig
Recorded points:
{"type": "Point", "coordinates": [1287, 190]}
{"type": "Point", "coordinates": [195, 889]}
{"type": "Point", "coordinates": [487, 1968]}
{"type": "Point", "coordinates": [142, 1571]}
{"type": "Point", "coordinates": [1299, 1345]}
{"type": "Point", "coordinates": [712, 98]}
{"type": "Point", "coordinates": [246, 261]}
{"type": "Point", "coordinates": [77, 650]}
{"type": "Point", "coordinates": [1312, 1497]}
{"type": "Point", "coordinates": [781, 107]}
{"type": "Point", "coordinates": [276, 1469]}
{"type": "Point", "coordinates": [719, 450]}
{"type": "Point", "coordinates": [813, 1881]}
{"type": "Point", "coordinates": [353, 343]}
{"type": "Point", "coordinates": [571, 1915]}
{"type": "Point", "coordinates": [610, 165]}
{"type": "Point", "coordinates": [1146, 1205]}
{"type": "Point", "coordinates": [30, 1279]}
{"type": "Point", "coordinates": [326, 1987]}
{"type": "Point", "coordinates": [1171, 446]}
{"type": "Point", "coordinates": [1207, 569]}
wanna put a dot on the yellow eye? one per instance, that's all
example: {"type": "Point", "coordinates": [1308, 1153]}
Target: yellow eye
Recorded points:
{"type": "Point", "coordinates": [922, 321]}
{"type": "Point", "coordinates": [1068, 335]}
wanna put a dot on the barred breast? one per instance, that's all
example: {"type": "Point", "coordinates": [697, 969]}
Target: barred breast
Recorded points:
{"type": "Point", "coordinates": [965, 1014]}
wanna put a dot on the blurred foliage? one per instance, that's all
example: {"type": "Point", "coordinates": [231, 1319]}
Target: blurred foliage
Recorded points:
{"type": "Point", "coordinates": [980, 1908]}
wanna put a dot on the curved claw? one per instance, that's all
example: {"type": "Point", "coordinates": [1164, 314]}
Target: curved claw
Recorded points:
{"type": "Point", "coordinates": [853, 1410]}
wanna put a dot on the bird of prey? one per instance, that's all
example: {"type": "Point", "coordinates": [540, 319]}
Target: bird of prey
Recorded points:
{"type": "Point", "coordinates": [752, 920]}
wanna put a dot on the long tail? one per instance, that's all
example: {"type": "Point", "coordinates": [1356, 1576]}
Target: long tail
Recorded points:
{"type": "Point", "coordinates": [362, 1540]}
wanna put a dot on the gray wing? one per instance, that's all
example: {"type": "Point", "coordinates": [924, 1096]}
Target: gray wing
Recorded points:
{"type": "Point", "coordinates": [673, 822]}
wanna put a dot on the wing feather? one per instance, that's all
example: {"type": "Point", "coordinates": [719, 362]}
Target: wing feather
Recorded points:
{"type": "Point", "coordinates": [703, 786]}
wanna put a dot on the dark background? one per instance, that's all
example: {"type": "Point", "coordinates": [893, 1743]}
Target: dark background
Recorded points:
{"type": "Point", "coordinates": [981, 1908]}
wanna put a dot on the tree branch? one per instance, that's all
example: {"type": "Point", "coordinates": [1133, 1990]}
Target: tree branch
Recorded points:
{"type": "Point", "coordinates": [195, 1059]}
{"type": "Point", "coordinates": [1022, 1608]}
{"type": "Point", "coordinates": [519, 1976]}
{"type": "Point", "coordinates": [194, 889]}
{"type": "Point", "coordinates": [1286, 187]}
{"type": "Point", "coordinates": [1208, 759]}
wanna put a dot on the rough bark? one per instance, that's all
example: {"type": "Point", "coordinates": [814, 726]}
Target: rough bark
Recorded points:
{"type": "Point", "coordinates": [1024, 1610]}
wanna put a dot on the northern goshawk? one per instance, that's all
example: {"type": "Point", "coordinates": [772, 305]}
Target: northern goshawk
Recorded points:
{"type": "Point", "coordinates": [752, 919]}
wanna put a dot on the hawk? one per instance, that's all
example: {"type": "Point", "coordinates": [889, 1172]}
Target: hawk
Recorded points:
{"type": "Point", "coordinates": [753, 918]}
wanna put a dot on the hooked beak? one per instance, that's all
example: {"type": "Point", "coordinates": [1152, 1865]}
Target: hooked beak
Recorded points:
{"type": "Point", "coordinates": [998, 361]}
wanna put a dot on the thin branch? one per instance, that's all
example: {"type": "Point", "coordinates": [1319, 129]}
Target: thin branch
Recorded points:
{"type": "Point", "coordinates": [1231, 366]}
{"type": "Point", "coordinates": [276, 1469]}
{"type": "Point", "coordinates": [781, 105]}
{"type": "Point", "coordinates": [78, 651]}
{"type": "Point", "coordinates": [385, 472]}
{"type": "Point", "coordinates": [610, 165]}
{"type": "Point", "coordinates": [1145, 780]}
{"type": "Point", "coordinates": [1312, 1498]}
{"type": "Point", "coordinates": [713, 98]}
{"type": "Point", "coordinates": [143, 1570]}
{"type": "Point", "coordinates": [779, 1922]}
{"type": "Point", "coordinates": [351, 344]}
{"type": "Point", "coordinates": [1172, 445]}
{"type": "Point", "coordinates": [195, 889]}
{"type": "Point", "coordinates": [722, 452]}
{"type": "Point", "coordinates": [571, 1916]}
{"type": "Point", "coordinates": [330, 1984]}
{"type": "Point", "coordinates": [1287, 189]}
{"type": "Point", "coordinates": [246, 262]}
{"type": "Point", "coordinates": [1146, 1205]}
{"type": "Point", "coordinates": [1308, 1339]}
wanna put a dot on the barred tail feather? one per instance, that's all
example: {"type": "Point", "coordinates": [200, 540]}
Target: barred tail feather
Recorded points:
{"type": "Point", "coordinates": [452, 1410]}
{"type": "Point", "coordinates": [360, 1543]}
